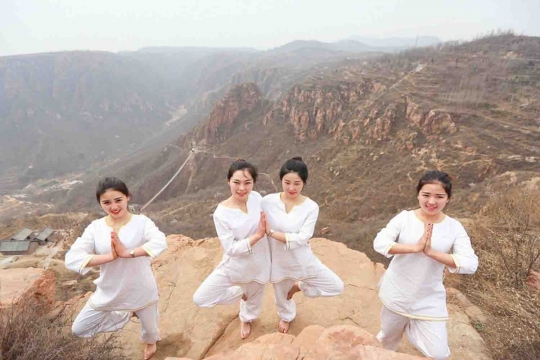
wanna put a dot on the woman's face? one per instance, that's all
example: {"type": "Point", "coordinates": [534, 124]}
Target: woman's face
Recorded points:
{"type": "Point", "coordinates": [432, 198]}
{"type": "Point", "coordinates": [292, 185]}
{"type": "Point", "coordinates": [114, 203]}
{"type": "Point", "coordinates": [241, 184]}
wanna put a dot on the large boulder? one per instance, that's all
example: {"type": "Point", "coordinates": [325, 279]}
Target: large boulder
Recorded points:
{"type": "Point", "coordinates": [314, 343]}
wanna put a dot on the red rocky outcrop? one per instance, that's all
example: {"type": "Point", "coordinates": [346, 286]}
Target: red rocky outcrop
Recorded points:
{"type": "Point", "coordinates": [224, 117]}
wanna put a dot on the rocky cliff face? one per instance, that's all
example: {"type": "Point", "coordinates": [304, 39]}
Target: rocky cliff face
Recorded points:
{"type": "Point", "coordinates": [226, 113]}
{"type": "Point", "coordinates": [351, 111]}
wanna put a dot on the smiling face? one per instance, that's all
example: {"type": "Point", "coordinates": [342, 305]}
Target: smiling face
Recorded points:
{"type": "Point", "coordinates": [432, 199]}
{"type": "Point", "coordinates": [292, 185]}
{"type": "Point", "coordinates": [241, 184]}
{"type": "Point", "coordinates": [115, 203]}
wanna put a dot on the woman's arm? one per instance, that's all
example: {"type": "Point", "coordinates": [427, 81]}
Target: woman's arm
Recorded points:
{"type": "Point", "coordinates": [301, 238]}
{"type": "Point", "coordinates": [80, 257]}
{"type": "Point", "coordinates": [241, 247]}
{"type": "Point", "coordinates": [385, 241]}
{"type": "Point", "coordinates": [463, 256]}
{"type": "Point", "coordinates": [155, 243]}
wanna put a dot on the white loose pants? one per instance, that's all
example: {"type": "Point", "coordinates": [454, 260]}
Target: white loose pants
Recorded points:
{"type": "Point", "coordinates": [91, 322]}
{"type": "Point", "coordinates": [325, 284]}
{"type": "Point", "coordinates": [430, 337]}
{"type": "Point", "coordinates": [217, 289]}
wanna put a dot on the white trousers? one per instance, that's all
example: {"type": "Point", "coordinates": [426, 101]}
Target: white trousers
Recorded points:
{"type": "Point", "coordinates": [91, 322]}
{"type": "Point", "coordinates": [326, 283]}
{"type": "Point", "coordinates": [217, 289]}
{"type": "Point", "coordinates": [430, 337]}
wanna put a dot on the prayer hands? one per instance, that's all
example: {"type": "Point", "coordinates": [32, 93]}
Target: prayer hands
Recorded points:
{"type": "Point", "coordinates": [425, 239]}
{"type": "Point", "coordinates": [119, 247]}
{"type": "Point", "coordinates": [427, 246]}
{"type": "Point", "coordinates": [261, 229]}
{"type": "Point", "coordinates": [113, 251]}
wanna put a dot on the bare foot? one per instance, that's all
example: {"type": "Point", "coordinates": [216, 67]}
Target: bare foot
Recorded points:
{"type": "Point", "coordinates": [134, 314]}
{"type": "Point", "coordinates": [244, 297]}
{"type": "Point", "coordinates": [293, 291]}
{"type": "Point", "coordinates": [150, 351]}
{"type": "Point", "coordinates": [283, 326]}
{"type": "Point", "coordinates": [245, 329]}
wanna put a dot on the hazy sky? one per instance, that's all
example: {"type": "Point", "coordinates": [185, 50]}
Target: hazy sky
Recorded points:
{"type": "Point", "coordinates": [30, 26]}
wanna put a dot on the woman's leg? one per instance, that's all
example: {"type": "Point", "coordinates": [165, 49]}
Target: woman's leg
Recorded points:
{"type": "Point", "coordinates": [286, 308]}
{"type": "Point", "coordinates": [149, 318]}
{"type": "Point", "coordinates": [217, 289]}
{"type": "Point", "coordinates": [326, 284]}
{"type": "Point", "coordinates": [392, 328]}
{"type": "Point", "coordinates": [430, 337]}
{"type": "Point", "coordinates": [251, 308]}
{"type": "Point", "coordinates": [90, 322]}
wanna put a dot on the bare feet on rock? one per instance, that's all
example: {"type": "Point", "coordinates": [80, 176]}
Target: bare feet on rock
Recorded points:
{"type": "Point", "coordinates": [293, 291]}
{"type": "Point", "coordinates": [150, 351]}
{"type": "Point", "coordinates": [245, 329]}
{"type": "Point", "coordinates": [283, 326]}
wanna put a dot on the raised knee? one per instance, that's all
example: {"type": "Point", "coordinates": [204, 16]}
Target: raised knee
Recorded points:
{"type": "Point", "coordinates": [199, 299]}
{"type": "Point", "coordinates": [439, 354]}
{"type": "Point", "coordinates": [340, 286]}
{"type": "Point", "coordinates": [78, 330]}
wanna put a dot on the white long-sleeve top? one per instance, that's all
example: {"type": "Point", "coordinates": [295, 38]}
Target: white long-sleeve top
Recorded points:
{"type": "Point", "coordinates": [123, 284]}
{"type": "Point", "coordinates": [413, 283]}
{"type": "Point", "coordinates": [294, 259]}
{"type": "Point", "coordinates": [242, 262]}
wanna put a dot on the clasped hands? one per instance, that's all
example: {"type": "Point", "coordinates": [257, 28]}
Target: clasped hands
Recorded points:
{"type": "Point", "coordinates": [118, 249]}
{"type": "Point", "coordinates": [424, 244]}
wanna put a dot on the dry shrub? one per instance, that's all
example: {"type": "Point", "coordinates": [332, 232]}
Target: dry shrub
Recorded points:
{"type": "Point", "coordinates": [505, 236]}
{"type": "Point", "coordinates": [29, 332]}
{"type": "Point", "coordinates": [508, 231]}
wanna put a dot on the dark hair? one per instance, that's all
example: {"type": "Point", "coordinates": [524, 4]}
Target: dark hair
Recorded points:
{"type": "Point", "coordinates": [111, 183]}
{"type": "Point", "coordinates": [295, 165]}
{"type": "Point", "coordinates": [435, 176]}
{"type": "Point", "coordinates": [241, 164]}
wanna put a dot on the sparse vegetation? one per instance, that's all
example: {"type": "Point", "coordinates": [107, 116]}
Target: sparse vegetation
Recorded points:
{"type": "Point", "coordinates": [29, 332]}
{"type": "Point", "coordinates": [506, 237]}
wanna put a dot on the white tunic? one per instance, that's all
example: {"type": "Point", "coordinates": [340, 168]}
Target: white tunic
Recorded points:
{"type": "Point", "coordinates": [413, 284]}
{"type": "Point", "coordinates": [241, 262]}
{"type": "Point", "coordinates": [123, 284]}
{"type": "Point", "coordinates": [293, 260]}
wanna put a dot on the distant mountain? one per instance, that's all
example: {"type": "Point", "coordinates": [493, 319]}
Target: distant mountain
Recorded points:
{"type": "Point", "coordinates": [397, 42]}
{"type": "Point", "coordinates": [351, 46]}
{"type": "Point", "coordinates": [192, 49]}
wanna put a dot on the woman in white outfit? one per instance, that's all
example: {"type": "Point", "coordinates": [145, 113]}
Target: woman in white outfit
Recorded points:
{"type": "Point", "coordinates": [422, 242]}
{"type": "Point", "coordinates": [245, 268]}
{"type": "Point", "coordinates": [122, 245]}
{"type": "Point", "coordinates": [291, 219]}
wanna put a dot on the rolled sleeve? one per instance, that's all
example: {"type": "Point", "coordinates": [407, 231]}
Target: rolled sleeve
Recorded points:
{"type": "Point", "coordinates": [156, 241]}
{"type": "Point", "coordinates": [463, 254]}
{"type": "Point", "coordinates": [231, 247]}
{"type": "Point", "coordinates": [82, 251]}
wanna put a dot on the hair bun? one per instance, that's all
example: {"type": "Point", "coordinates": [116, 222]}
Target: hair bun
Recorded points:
{"type": "Point", "coordinates": [298, 158]}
